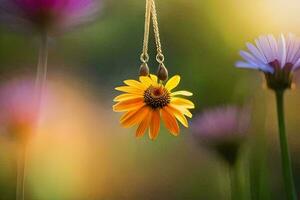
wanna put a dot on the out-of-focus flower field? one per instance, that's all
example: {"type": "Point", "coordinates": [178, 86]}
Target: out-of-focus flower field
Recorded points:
{"type": "Point", "coordinates": [80, 151]}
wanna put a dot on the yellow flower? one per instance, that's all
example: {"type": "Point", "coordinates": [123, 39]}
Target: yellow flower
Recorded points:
{"type": "Point", "coordinates": [145, 101]}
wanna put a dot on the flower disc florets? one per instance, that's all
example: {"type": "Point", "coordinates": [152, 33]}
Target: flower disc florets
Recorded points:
{"type": "Point", "coordinates": [157, 97]}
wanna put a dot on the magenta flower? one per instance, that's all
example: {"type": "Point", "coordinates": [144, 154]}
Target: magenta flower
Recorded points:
{"type": "Point", "coordinates": [277, 58]}
{"type": "Point", "coordinates": [224, 129]}
{"type": "Point", "coordinates": [48, 15]}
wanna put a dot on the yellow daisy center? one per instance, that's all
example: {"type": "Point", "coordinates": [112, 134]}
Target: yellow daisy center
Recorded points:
{"type": "Point", "coordinates": [157, 97]}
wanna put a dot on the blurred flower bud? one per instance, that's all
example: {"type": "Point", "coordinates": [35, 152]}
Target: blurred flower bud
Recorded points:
{"type": "Point", "coordinates": [162, 72]}
{"type": "Point", "coordinates": [223, 130]}
{"type": "Point", "coordinates": [144, 70]}
{"type": "Point", "coordinates": [19, 108]}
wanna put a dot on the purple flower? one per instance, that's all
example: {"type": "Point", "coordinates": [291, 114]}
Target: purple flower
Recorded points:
{"type": "Point", "coordinates": [277, 58]}
{"type": "Point", "coordinates": [222, 123]}
{"type": "Point", "coordinates": [47, 15]}
{"type": "Point", "coordinates": [223, 129]}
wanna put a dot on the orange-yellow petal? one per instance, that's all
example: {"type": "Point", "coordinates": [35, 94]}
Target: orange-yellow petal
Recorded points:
{"type": "Point", "coordinates": [182, 102]}
{"type": "Point", "coordinates": [154, 124]}
{"type": "Point", "coordinates": [129, 89]}
{"type": "Point", "coordinates": [135, 117]}
{"type": "Point", "coordinates": [182, 92]}
{"type": "Point", "coordinates": [145, 80]}
{"type": "Point", "coordinates": [170, 122]}
{"type": "Point", "coordinates": [183, 110]}
{"type": "Point", "coordinates": [128, 114]}
{"type": "Point", "coordinates": [172, 82]}
{"type": "Point", "coordinates": [130, 104]}
{"type": "Point", "coordinates": [124, 97]}
{"type": "Point", "coordinates": [135, 84]}
{"type": "Point", "coordinates": [143, 125]}
{"type": "Point", "coordinates": [179, 116]}
{"type": "Point", "coordinates": [154, 78]}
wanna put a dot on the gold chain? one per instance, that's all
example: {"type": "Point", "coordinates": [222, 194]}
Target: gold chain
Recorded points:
{"type": "Point", "coordinates": [145, 55]}
{"type": "Point", "coordinates": [159, 57]}
{"type": "Point", "coordinates": [151, 12]}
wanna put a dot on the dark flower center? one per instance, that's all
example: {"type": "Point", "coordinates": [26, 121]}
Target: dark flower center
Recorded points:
{"type": "Point", "coordinates": [43, 14]}
{"type": "Point", "coordinates": [157, 97]}
{"type": "Point", "coordinates": [277, 67]}
{"type": "Point", "coordinates": [44, 19]}
{"type": "Point", "coordinates": [281, 79]}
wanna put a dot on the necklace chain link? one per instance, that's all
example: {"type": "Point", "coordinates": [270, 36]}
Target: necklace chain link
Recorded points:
{"type": "Point", "coordinates": [151, 13]}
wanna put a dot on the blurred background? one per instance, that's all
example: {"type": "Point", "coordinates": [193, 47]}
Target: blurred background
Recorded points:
{"type": "Point", "coordinates": [80, 152]}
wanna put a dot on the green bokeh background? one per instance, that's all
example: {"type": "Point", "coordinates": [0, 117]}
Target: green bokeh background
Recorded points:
{"type": "Point", "coordinates": [201, 40]}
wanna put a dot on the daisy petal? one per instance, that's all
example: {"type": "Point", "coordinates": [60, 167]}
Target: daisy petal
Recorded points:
{"type": "Point", "coordinates": [124, 97]}
{"type": "Point", "coordinates": [154, 124]}
{"type": "Point", "coordinates": [296, 65]}
{"type": "Point", "coordinates": [129, 89]}
{"type": "Point", "coordinates": [183, 110]}
{"type": "Point", "coordinates": [134, 117]}
{"type": "Point", "coordinates": [259, 47]}
{"type": "Point", "coordinates": [186, 112]}
{"type": "Point", "coordinates": [266, 48]}
{"type": "Point", "coordinates": [179, 116]}
{"type": "Point", "coordinates": [170, 122]}
{"type": "Point", "coordinates": [242, 64]}
{"type": "Point", "coordinates": [182, 102]}
{"type": "Point", "coordinates": [245, 65]}
{"type": "Point", "coordinates": [183, 93]}
{"type": "Point", "coordinates": [250, 59]}
{"type": "Point", "coordinates": [273, 46]}
{"type": "Point", "coordinates": [154, 78]}
{"type": "Point", "coordinates": [256, 52]}
{"type": "Point", "coordinates": [147, 81]}
{"type": "Point", "coordinates": [130, 104]}
{"type": "Point", "coordinates": [282, 50]}
{"type": "Point", "coordinates": [143, 125]}
{"type": "Point", "coordinates": [135, 84]}
{"type": "Point", "coordinates": [172, 82]}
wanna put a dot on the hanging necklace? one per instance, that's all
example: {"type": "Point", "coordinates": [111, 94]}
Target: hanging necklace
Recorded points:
{"type": "Point", "coordinates": [146, 101]}
{"type": "Point", "coordinates": [162, 71]}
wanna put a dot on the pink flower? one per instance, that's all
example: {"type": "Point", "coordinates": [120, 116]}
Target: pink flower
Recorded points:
{"type": "Point", "coordinates": [224, 129]}
{"type": "Point", "coordinates": [19, 110]}
{"type": "Point", "coordinates": [48, 15]}
{"type": "Point", "coordinates": [221, 123]}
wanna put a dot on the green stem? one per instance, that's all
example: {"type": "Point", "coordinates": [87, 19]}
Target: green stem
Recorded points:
{"type": "Point", "coordinates": [233, 192]}
{"type": "Point", "coordinates": [232, 184]}
{"type": "Point", "coordinates": [285, 155]}
{"type": "Point", "coordinates": [21, 172]}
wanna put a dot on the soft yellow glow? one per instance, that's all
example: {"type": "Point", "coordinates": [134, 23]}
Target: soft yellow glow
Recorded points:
{"type": "Point", "coordinates": [238, 20]}
{"type": "Point", "coordinates": [282, 13]}
{"type": "Point", "coordinates": [68, 145]}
